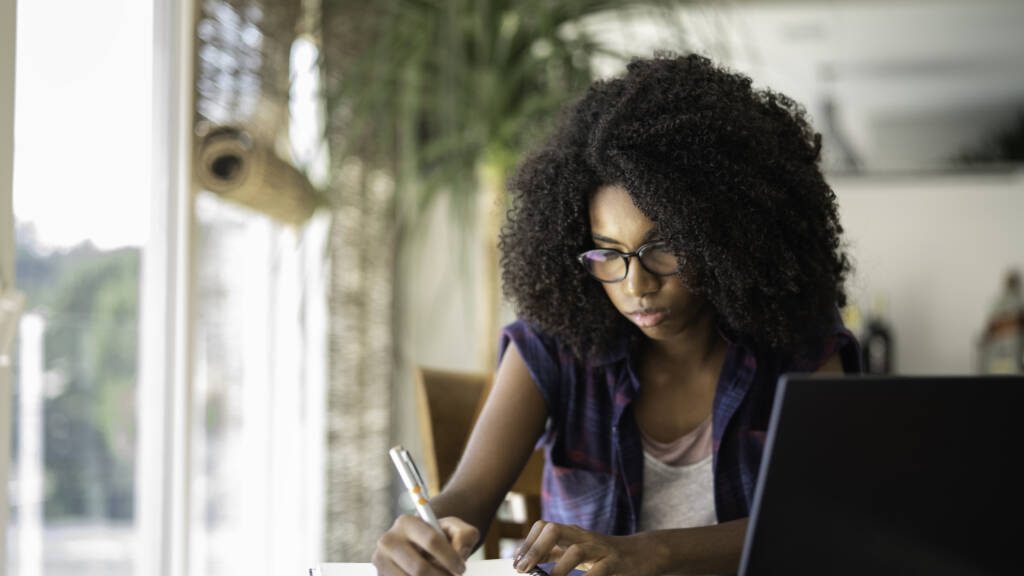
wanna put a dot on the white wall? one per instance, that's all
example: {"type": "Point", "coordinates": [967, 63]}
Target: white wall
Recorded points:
{"type": "Point", "coordinates": [937, 248]}
{"type": "Point", "coordinates": [437, 292]}
{"type": "Point", "coordinates": [912, 83]}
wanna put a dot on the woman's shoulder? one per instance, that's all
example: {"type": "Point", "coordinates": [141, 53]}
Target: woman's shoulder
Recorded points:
{"type": "Point", "coordinates": [532, 340]}
{"type": "Point", "coordinates": [836, 342]}
{"type": "Point", "coordinates": [544, 356]}
{"type": "Point", "coordinates": [521, 331]}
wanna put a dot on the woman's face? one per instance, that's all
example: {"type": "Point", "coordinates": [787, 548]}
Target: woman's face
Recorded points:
{"type": "Point", "coordinates": [661, 306]}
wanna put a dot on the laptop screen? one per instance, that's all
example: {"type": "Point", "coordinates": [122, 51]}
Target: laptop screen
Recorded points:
{"type": "Point", "coordinates": [889, 475]}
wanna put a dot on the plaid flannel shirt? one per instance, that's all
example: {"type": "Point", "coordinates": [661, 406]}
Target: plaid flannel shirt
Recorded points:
{"type": "Point", "coordinates": [593, 474]}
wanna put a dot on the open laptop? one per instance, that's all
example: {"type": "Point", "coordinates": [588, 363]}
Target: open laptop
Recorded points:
{"type": "Point", "coordinates": [890, 475]}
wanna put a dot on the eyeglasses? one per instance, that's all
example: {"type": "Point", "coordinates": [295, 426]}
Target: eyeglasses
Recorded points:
{"type": "Point", "coordinates": [607, 265]}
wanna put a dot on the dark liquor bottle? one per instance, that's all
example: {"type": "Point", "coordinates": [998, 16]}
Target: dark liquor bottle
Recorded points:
{"type": "Point", "coordinates": [877, 342]}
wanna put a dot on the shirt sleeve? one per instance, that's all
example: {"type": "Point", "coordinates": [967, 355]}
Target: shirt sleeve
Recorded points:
{"type": "Point", "coordinates": [540, 353]}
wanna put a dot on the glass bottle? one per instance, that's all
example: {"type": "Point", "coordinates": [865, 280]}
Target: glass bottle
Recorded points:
{"type": "Point", "coordinates": [877, 346]}
{"type": "Point", "coordinates": [1002, 343]}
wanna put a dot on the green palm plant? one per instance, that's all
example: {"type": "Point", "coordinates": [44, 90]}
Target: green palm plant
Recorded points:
{"type": "Point", "coordinates": [445, 95]}
{"type": "Point", "coordinates": [435, 87]}
{"type": "Point", "coordinates": [424, 98]}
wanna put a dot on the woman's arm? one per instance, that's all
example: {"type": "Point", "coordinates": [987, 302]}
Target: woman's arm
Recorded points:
{"type": "Point", "coordinates": [501, 442]}
{"type": "Point", "coordinates": [706, 550]}
{"type": "Point", "coordinates": [503, 438]}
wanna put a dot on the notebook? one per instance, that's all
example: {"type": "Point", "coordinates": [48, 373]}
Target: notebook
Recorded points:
{"type": "Point", "coordinates": [889, 475]}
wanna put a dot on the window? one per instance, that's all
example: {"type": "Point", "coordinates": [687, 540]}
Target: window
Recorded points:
{"type": "Point", "coordinates": [81, 206]}
{"type": "Point", "coordinates": [170, 376]}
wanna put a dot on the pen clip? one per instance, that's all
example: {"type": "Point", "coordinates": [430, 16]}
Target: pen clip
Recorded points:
{"type": "Point", "coordinates": [411, 465]}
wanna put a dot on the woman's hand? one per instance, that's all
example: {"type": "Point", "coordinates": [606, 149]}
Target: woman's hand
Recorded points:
{"type": "Point", "coordinates": [570, 546]}
{"type": "Point", "coordinates": [411, 546]}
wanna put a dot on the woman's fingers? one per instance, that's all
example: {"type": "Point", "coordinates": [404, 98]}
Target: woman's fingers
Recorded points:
{"type": "Point", "coordinates": [526, 556]}
{"type": "Point", "coordinates": [392, 556]}
{"type": "Point", "coordinates": [462, 535]}
{"type": "Point", "coordinates": [528, 541]}
{"type": "Point", "coordinates": [385, 565]}
{"type": "Point", "coordinates": [572, 556]}
{"type": "Point", "coordinates": [555, 554]}
{"type": "Point", "coordinates": [410, 560]}
{"type": "Point", "coordinates": [602, 568]}
{"type": "Point", "coordinates": [415, 547]}
{"type": "Point", "coordinates": [542, 540]}
{"type": "Point", "coordinates": [434, 543]}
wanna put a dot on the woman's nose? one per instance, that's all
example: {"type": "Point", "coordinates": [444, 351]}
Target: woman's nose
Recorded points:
{"type": "Point", "coordinates": [639, 281]}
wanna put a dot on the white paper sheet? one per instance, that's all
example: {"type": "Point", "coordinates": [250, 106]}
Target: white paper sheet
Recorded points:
{"type": "Point", "coordinates": [502, 567]}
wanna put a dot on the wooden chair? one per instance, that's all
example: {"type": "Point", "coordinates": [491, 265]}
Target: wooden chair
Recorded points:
{"type": "Point", "coordinates": [448, 404]}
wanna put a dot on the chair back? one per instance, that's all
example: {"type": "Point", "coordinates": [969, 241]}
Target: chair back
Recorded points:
{"type": "Point", "coordinates": [448, 403]}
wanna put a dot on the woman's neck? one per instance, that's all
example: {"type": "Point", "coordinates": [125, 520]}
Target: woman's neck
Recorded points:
{"type": "Point", "coordinates": [678, 380]}
{"type": "Point", "coordinates": [693, 350]}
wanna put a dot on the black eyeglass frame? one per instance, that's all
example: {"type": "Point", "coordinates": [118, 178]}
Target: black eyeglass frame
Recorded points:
{"type": "Point", "coordinates": [626, 257]}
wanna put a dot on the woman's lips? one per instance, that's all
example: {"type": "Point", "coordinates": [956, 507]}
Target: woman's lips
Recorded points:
{"type": "Point", "coordinates": [648, 317]}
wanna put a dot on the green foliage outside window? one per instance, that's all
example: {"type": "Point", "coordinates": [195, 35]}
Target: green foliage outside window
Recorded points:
{"type": "Point", "coordinates": [89, 299]}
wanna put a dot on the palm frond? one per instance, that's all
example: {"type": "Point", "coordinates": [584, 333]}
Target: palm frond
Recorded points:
{"type": "Point", "coordinates": [429, 89]}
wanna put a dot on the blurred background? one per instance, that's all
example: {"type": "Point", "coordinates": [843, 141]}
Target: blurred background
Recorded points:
{"type": "Point", "coordinates": [236, 226]}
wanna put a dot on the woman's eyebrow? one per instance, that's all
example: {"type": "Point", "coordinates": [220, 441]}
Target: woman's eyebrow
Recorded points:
{"type": "Point", "coordinates": [651, 235]}
{"type": "Point", "coordinates": [605, 239]}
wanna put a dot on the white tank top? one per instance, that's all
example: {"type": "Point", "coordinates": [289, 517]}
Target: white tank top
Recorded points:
{"type": "Point", "coordinates": [678, 490]}
{"type": "Point", "coordinates": [677, 496]}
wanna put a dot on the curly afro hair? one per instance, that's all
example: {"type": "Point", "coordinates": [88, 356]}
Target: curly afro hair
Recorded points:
{"type": "Point", "coordinates": [729, 175]}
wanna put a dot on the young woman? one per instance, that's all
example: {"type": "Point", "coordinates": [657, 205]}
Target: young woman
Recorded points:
{"type": "Point", "coordinates": [671, 251]}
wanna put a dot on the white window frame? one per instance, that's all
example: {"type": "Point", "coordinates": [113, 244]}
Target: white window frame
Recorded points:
{"type": "Point", "coordinates": [8, 22]}
{"type": "Point", "coordinates": [164, 388]}
{"type": "Point", "coordinates": [166, 447]}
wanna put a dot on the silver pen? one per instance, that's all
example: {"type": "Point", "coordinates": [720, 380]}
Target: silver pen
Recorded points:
{"type": "Point", "coordinates": [415, 485]}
